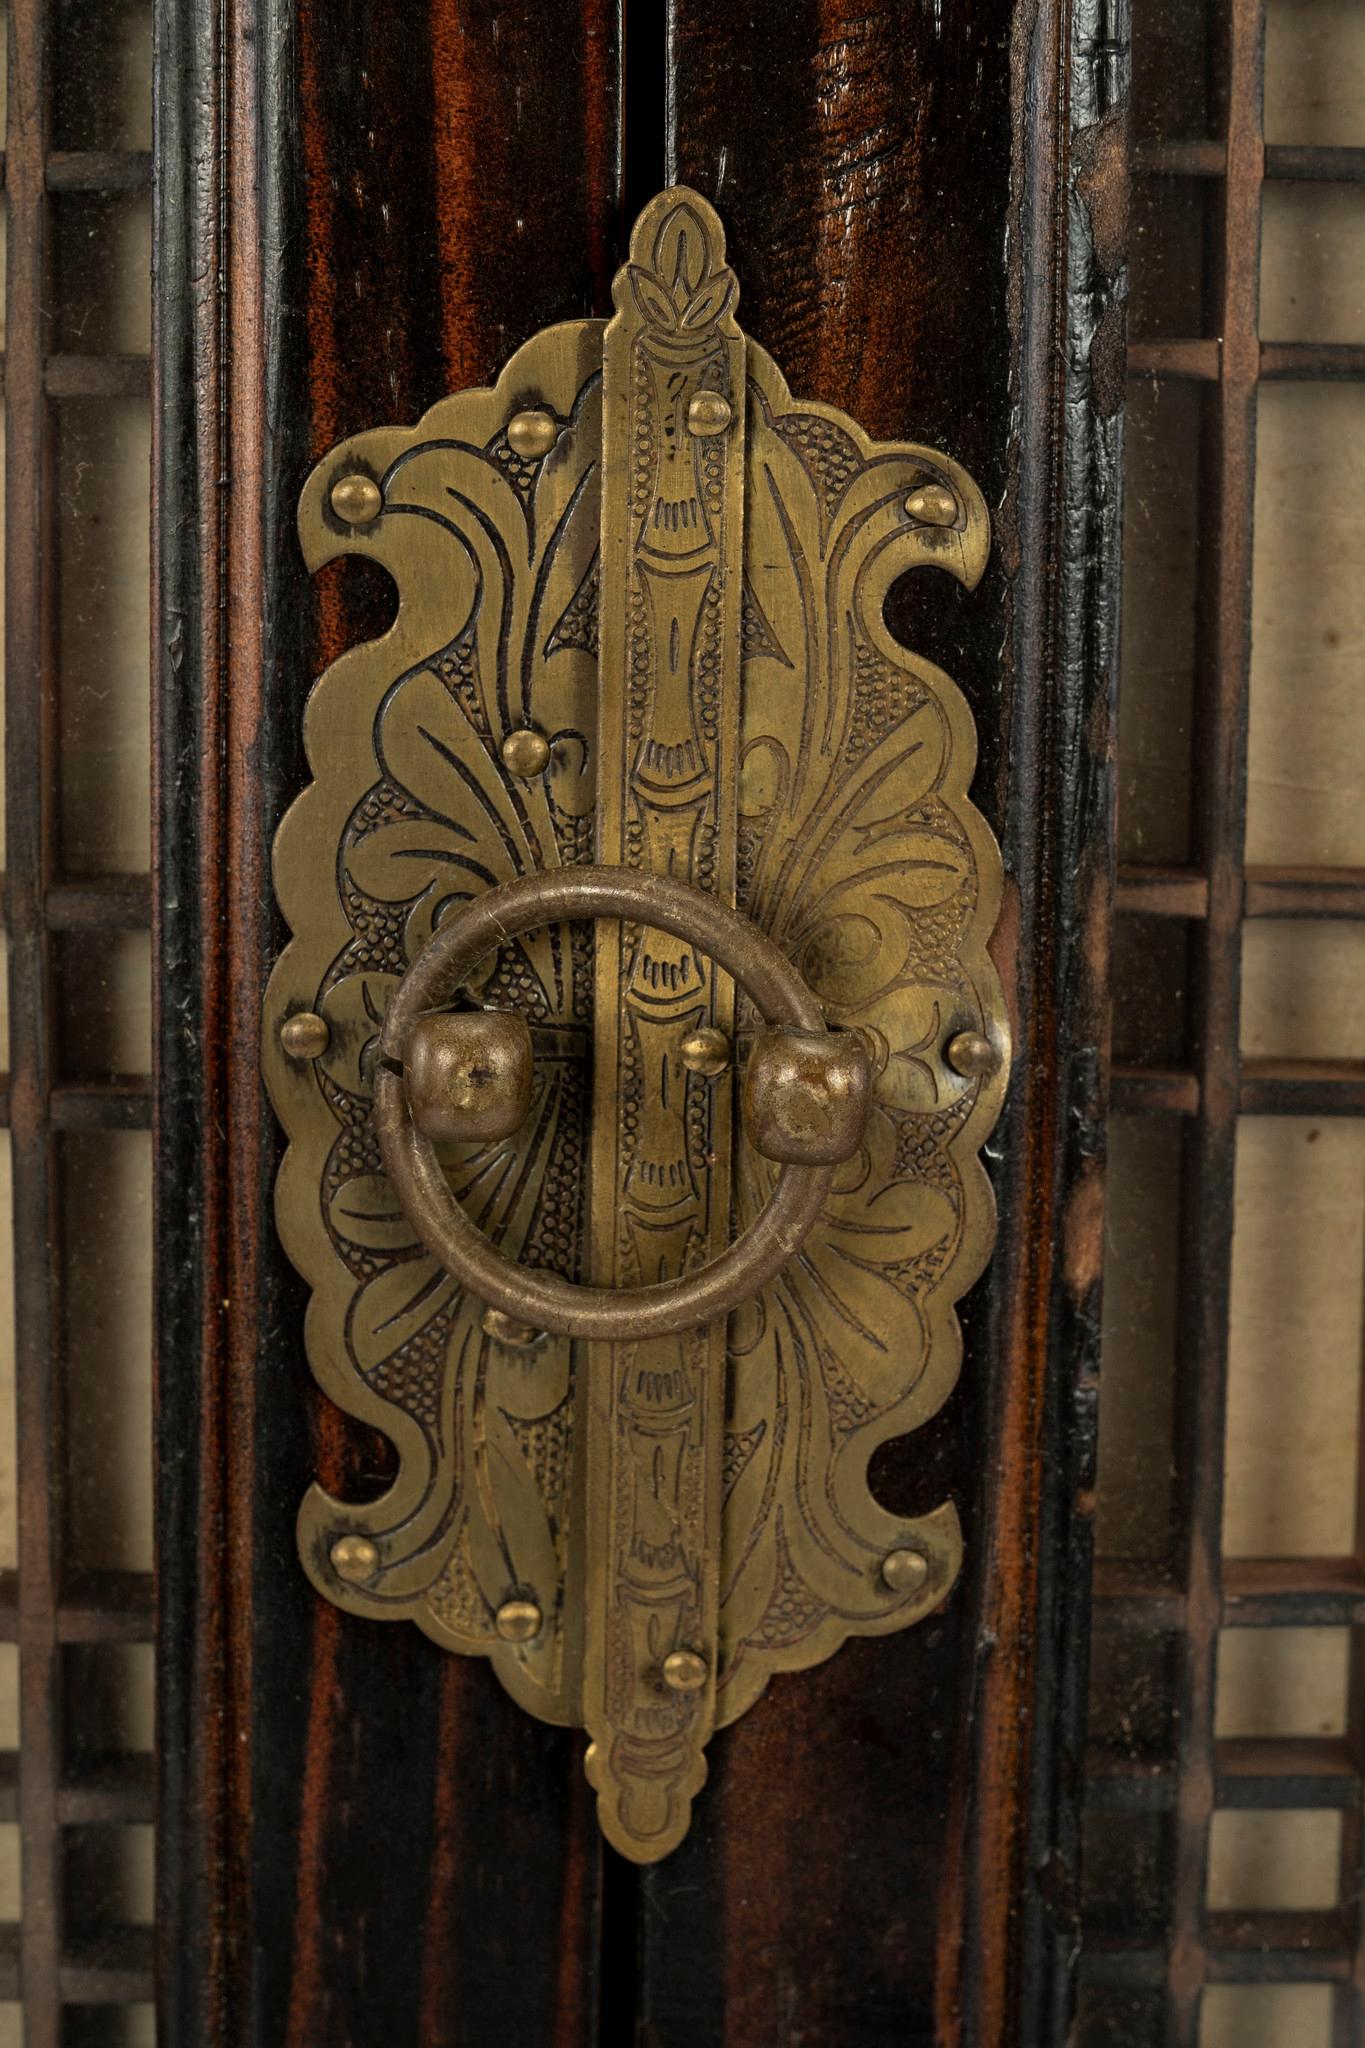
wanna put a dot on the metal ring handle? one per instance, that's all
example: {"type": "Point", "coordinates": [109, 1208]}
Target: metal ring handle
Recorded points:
{"type": "Point", "coordinates": [544, 1299]}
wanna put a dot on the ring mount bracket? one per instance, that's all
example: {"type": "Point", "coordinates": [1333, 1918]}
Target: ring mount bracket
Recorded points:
{"type": "Point", "coordinates": [639, 923]}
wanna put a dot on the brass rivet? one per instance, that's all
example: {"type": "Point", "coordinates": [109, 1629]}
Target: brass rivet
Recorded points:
{"type": "Point", "coordinates": [505, 1329]}
{"type": "Point", "coordinates": [705, 1051]}
{"type": "Point", "coordinates": [971, 1055]}
{"type": "Point", "coordinates": [355, 1559]}
{"type": "Point", "coordinates": [305, 1035]}
{"type": "Point", "coordinates": [905, 1571]}
{"type": "Point", "coordinates": [532, 433]}
{"type": "Point", "coordinates": [932, 506]}
{"type": "Point", "coordinates": [516, 1621]}
{"type": "Point", "coordinates": [708, 412]}
{"type": "Point", "coordinates": [685, 1671]}
{"type": "Point", "coordinates": [526, 753]}
{"type": "Point", "coordinates": [357, 500]}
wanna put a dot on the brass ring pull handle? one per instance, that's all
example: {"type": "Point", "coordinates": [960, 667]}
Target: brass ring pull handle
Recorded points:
{"type": "Point", "coordinates": [806, 1098]}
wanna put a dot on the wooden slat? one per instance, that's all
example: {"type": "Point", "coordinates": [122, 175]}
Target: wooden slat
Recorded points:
{"type": "Point", "coordinates": [107, 1606]}
{"type": "Point", "coordinates": [1154, 1091]}
{"type": "Point", "coordinates": [1310, 361]}
{"type": "Point", "coordinates": [1305, 892]}
{"type": "Point", "coordinates": [1292, 1774]}
{"type": "Point", "coordinates": [1223, 653]}
{"type": "Point", "coordinates": [1161, 891]}
{"type": "Point", "coordinates": [112, 1966]}
{"type": "Point", "coordinates": [112, 1791]}
{"type": "Point", "coordinates": [1155, 891]}
{"type": "Point", "coordinates": [99, 170]}
{"type": "Point", "coordinates": [1187, 359]}
{"type": "Point", "coordinates": [121, 1104]}
{"type": "Point", "coordinates": [1272, 1592]}
{"type": "Point", "coordinates": [101, 903]}
{"type": "Point", "coordinates": [1288, 1775]}
{"type": "Point", "coordinates": [1192, 159]}
{"type": "Point", "coordinates": [1314, 160]}
{"type": "Point", "coordinates": [1302, 1088]}
{"type": "Point", "coordinates": [30, 699]}
{"type": "Point", "coordinates": [92, 376]}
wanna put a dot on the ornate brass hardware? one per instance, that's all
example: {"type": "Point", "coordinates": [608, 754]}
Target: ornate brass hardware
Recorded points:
{"type": "Point", "coordinates": [807, 1091]}
{"type": "Point", "coordinates": [636, 799]}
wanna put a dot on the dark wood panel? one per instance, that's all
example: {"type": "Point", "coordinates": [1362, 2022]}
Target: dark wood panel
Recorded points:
{"type": "Point", "coordinates": [361, 208]}
{"type": "Point", "coordinates": [886, 1849]}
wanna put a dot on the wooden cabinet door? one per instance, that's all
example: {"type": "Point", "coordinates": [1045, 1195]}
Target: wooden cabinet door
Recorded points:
{"type": "Point", "coordinates": [364, 207]}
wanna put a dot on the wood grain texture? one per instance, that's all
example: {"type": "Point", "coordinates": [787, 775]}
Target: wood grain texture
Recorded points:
{"type": "Point", "coordinates": [364, 1840]}
{"type": "Point", "coordinates": [358, 1832]}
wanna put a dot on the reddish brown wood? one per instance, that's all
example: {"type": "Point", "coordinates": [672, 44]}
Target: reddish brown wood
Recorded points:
{"type": "Point", "coordinates": [364, 1839]}
{"type": "Point", "coordinates": [1305, 892]}
{"type": "Point", "coordinates": [1161, 892]}
{"type": "Point", "coordinates": [334, 1791]}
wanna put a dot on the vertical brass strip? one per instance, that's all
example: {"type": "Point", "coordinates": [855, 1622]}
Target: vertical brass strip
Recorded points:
{"type": "Point", "coordinates": [668, 726]}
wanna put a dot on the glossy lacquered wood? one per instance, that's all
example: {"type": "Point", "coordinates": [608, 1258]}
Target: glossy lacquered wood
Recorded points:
{"type": "Point", "coordinates": [365, 207]}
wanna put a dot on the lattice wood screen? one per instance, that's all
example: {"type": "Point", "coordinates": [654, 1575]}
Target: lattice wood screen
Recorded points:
{"type": "Point", "coordinates": [76, 1594]}
{"type": "Point", "coordinates": [1228, 1716]}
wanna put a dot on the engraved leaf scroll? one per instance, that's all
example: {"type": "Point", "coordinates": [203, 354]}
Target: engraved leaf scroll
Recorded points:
{"type": "Point", "coordinates": [853, 846]}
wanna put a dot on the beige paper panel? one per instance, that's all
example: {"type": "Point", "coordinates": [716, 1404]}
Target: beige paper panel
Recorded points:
{"type": "Point", "coordinates": [1266, 2016]}
{"type": "Point", "coordinates": [1282, 1681]}
{"type": "Point", "coordinates": [1313, 262]}
{"type": "Point", "coordinates": [1306, 762]}
{"type": "Point", "coordinates": [1294, 1337]}
{"type": "Point", "coordinates": [1303, 989]}
{"type": "Point", "coordinates": [1274, 1862]}
{"type": "Point", "coordinates": [1314, 66]}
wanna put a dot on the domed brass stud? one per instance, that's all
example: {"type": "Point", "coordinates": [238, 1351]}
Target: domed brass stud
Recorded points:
{"type": "Point", "coordinates": [355, 1559]}
{"type": "Point", "coordinates": [705, 1051]}
{"type": "Point", "coordinates": [357, 499]}
{"type": "Point", "coordinates": [932, 505]}
{"type": "Point", "coordinates": [531, 434]}
{"type": "Point", "coordinates": [517, 1621]}
{"type": "Point", "coordinates": [708, 413]}
{"type": "Point", "coordinates": [685, 1671]}
{"type": "Point", "coordinates": [971, 1055]}
{"type": "Point", "coordinates": [509, 1330]}
{"type": "Point", "coordinates": [905, 1571]}
{"type": "Point", "coordinates": [469, 1075]}
{"type": "Point", "coordinates": [305, 1035]}
{"type": "Point", "coordinates": [526, 753]}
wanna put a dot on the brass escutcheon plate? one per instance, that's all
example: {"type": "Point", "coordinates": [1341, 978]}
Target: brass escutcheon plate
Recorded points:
{"type": "Point", "coordinates": [640, 625]}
